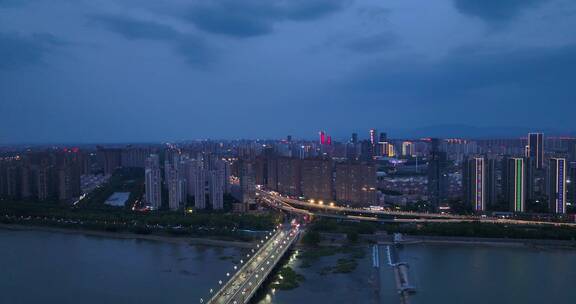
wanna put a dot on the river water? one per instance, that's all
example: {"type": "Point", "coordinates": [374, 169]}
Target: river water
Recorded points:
{"type": "Point", "coordinates": [50, 268]}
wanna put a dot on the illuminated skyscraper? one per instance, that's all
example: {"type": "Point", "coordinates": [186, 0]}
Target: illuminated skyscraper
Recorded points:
{"type": "Point", "coordinates": [515, 183]}
{"type": "Point", "coordinates": [390, 151]}
{"type": "Point", "coordinates": [557, 185]}
{"type": "Point", "coordinates": [475, 183]}
{"type": "Point", "coordinates": [535, 149]}
{"type": "Point", "coordinates": [373, 134]}
{"type": "Point", "coordinates": [407, 148]}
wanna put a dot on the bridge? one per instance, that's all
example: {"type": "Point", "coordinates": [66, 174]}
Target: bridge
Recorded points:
{"type": "Point", "coordinates": [243, 284]}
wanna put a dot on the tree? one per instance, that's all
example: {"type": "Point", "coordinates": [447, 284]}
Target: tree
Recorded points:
{"type": "Point", "coordinates": [311, 238]}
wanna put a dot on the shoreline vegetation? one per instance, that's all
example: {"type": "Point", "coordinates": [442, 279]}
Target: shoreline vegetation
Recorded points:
{"type": "Point", "coordinates": [110, 221]}
{"type": "Point", "coordinates": [338, 233]}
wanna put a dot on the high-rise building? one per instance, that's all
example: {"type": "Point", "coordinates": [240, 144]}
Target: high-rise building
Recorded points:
{"type": "Point", "coordinates": [354, 138]}
{"type": "Point", "coordinates": [111, 159]}
{"type": "Point", "coordinates": [200, 188]}
{"type": "Point", "coordinates": [272, 173]}
{"type": "Point", "coordinates": [134, 157]}
{"type": "Point", "coordinates": [373, 142]}
{"type": "Point", "coordinates": [153, 181]}
{"type": "Point", "coordinates": [515, 183]}
{"type": "Point", "coordinates": [571, 184]}
{"type": "Point", "coordinates": [207, 175]}
{"type": "Point", "coordinates": [365, 151]}
{"type": "Point", "coordinates": [536, 149]}
{"type": "Point", "coordinates": [68, 178]}
{"type": "Point", "coordinates": [390, 151]}
{"type": "Point", "coordinates": [176, 186]}
{"type": "Point", "coordinates": [289, 176]}
{"type": "Point", "coordinates": [373, 134]}
{"type": "Point", "coordinates": [383, 137]}
{"type": "Point", "coordinates": [260, 170]}
{"type": "Point", "coordinates": [407, 149]}
{"type": "Point", "coordinates": [216, 189]}
{"type": "Point", "coordinates": [557, 185]}
{"type": "Point", "coordinates": [317, 179]}
{"type": "Point", "coordinates": [475, 183]}
{"type": "Point", "coordinates": [355, 183]}
{"type": "Point", "coordinates": [46, 180]}
{"type": "Point", "coordinates": [491, 182]}
{"type": "Point", "coordinates": [247, 184]}
{"type": "Point", "coordinates": [437, 174]}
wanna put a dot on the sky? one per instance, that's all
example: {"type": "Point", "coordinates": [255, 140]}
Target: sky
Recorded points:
{"type": "Point", "coordinates": [92, 71]}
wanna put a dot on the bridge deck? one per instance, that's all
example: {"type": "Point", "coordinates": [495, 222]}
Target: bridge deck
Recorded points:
{"type": "Point", "coordinates": [246, 281]}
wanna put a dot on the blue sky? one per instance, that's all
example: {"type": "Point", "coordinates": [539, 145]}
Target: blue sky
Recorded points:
{"type": "Point", "coordinates": [148, 70]}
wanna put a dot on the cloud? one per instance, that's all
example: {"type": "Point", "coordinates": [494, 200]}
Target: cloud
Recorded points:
{"type": "Point", "coordinates": [373, 43]}
{"type": "Point", "coordinates": [18, 50]}
{"type": "Point", "coordinates": [250, 18]}
{"type": "Point", "coordinates": [467, 70]}
{"type": "Point", "coordinates": [137, 29]}
{"type": "Point", "coordinates": [495, 11]}
{"type": "Point", "coordinates": [11, 3]}
{"type": "Point", "coordinates": [192, 47]}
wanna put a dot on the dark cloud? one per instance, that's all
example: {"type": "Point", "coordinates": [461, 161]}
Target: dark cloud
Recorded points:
{"type": "Point", "coordinates": [11, 3]}
{"type": "Point", "coordinates": [137, 29]}
{"type": "Point", "coordinates": [464, 70]}
{"type": "Point", "coordinates": [373, 43]}
{"type": "Point", "coordinates": [193, 48]}
{"type": "Point", "coordinates": [497, 11]}
{"type": "Point", "coordinates": [256, 17]}
{"type": "Point", "coordinates": [18, 50]}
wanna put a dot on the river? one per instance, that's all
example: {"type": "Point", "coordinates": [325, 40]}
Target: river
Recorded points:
{"type": "Point", "coordinates": [50, 268]}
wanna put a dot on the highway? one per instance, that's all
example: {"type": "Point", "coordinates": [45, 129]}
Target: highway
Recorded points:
{"type": "Point", "coordinates": [332, 211]}
{"type": "Point", "coordinates": [246, 281]}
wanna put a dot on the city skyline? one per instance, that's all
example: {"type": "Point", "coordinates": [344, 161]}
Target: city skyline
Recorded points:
{"type": "Point", "coordinates": [121, 71]}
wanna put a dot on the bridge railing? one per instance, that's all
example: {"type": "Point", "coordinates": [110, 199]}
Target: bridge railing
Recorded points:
{"type": "Point", "coordinates": [260, 246]}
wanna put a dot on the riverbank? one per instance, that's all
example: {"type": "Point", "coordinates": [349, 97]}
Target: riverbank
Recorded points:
{"type": "Point", "coordinates": [340, 239]}
{"type": "Point", "coordinates": [493, 242]}
{"type": "Point", "coordinates": [126, 235]}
